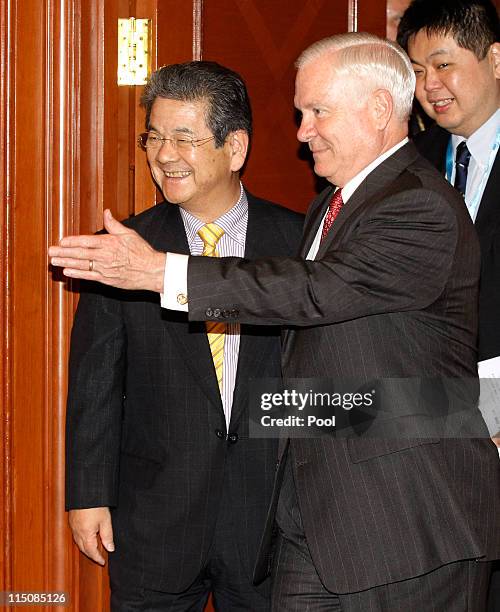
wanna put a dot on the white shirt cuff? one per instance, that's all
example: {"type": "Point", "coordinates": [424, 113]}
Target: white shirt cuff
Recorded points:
{"type": "Point", "coordinates": [175, 282]}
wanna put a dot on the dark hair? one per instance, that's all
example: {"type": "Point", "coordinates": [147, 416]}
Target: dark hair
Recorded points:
{"type": "Point", "coordinates": [473, 24]}
{"type": "Point", "coordinates": [228, 105]}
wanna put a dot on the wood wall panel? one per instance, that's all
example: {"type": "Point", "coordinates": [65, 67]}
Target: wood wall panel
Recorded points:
{"type": "Point", "coordinates": [96, 172]}
{"type": "Point", "coordinates": [142, 187]}
{"type": "Point", "coordinates": [371, 16]}
{"type": "Point", "coordinates": [175, 31]}
{"type": "Point", "coordinates": [113, 169]}
{"type": "Point", "coordinates": [90, 50]}
{"type": "Point", "coordinates": [37, 111]}
{"type": "Point", "coordinates": [61, 182]}
{"type": "Point", "coordinates": [261, 40]}
{"type": "Point", "coordinates": [5, 374]}
{"type": "Point", "coordinates": [28, 287]}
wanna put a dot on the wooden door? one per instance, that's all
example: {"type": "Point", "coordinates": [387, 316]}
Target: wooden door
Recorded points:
{"type": "Point", "coordinates": [67, 151]}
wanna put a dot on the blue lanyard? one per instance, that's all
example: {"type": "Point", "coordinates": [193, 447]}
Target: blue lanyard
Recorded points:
{"type": "Point", "coordinates": [449, 161]}
{"type": "Point", "coordinates": [474, 204]}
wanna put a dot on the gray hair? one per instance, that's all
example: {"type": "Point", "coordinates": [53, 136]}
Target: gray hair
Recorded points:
{"type": "Point", "coordinates": [224, 91]}
{"type": "Point", "coordinates": [380, 62]}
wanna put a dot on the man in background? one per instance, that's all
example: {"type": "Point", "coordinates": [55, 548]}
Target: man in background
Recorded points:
{"type": "Point", "coordinates": [454, 46]}
{"type": "Point", "coordinates": [395, 10]}
{"type": "Point", "coordinates": [455, 51]}
{"type": "Point", "coordinates": [381, 292]}
{"type": "Point", "coordinates": [159, 462]}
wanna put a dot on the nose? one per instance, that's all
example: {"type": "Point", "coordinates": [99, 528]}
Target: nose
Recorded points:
{"type": "Point", "coordinates": [167, 152]}
{"type": "Point", "coordinates": [432, 81]}
{"type": "Point", "coordinates": [306, 130]}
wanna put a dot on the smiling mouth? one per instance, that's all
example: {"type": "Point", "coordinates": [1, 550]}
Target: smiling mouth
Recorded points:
{"type": "Point", "coordinates": [441, 104]}
{"type": "Point", "coordinates": [176, 174]}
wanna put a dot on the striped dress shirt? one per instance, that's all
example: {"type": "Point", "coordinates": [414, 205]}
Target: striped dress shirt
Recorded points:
{"type": "Point", "coordinates": [231, 244]}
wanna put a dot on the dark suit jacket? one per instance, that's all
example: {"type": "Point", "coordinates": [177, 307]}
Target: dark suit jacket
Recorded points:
{"type": "Point", "coordinates": [146, 432]}
{"type": "Point", "coordinates": [391, 294]}
{"type": "Point", "coordinates": [433, 144]}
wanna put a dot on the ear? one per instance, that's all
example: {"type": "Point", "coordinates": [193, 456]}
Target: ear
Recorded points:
{"type": "Point", "coordinates": [494, 53]}
{"type": "Point", "coordinates": [238, 148]}
{"type": "Point", "coordinates": [382, 108]}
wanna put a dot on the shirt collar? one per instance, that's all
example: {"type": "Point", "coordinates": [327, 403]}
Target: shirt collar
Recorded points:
{"type": "Point", "coordinates": [481, 141]}
{"type": "Point", "coordinates": [351, 186]}
{"type": "Point", "coordinates": [233, 221]}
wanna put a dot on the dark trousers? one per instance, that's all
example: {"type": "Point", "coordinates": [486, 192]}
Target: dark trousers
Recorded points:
{"type": "Point", "coordinates": [224, 575]}
{"type": "Point", "coordinates": [456, 587]}
{"type": "Point", "coordinates": [230, 592]}
{"type": "Point", "coordinates": [494, 594]}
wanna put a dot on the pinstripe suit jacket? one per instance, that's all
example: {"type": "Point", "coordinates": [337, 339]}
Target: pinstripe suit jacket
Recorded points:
{"type": "Point", "coordinates": [145, 424]}
{"type": "Point", "coordinates": [392, 293]}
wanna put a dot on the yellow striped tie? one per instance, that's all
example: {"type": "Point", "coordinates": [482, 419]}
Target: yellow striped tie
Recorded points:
{"type": "Point", "coordinates": [210, 234]}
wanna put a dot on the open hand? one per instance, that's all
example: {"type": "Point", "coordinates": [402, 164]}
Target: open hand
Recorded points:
{"type": "Point", "coordinates": [120, 258]}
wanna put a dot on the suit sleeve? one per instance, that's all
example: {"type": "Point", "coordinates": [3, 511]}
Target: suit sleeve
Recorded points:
{"type": "Point", "coordinates": [397, 257]}
{"type": "Point", "coordinates": [95, 400]}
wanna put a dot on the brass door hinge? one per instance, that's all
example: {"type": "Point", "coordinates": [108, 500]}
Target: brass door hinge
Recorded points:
{"type": "Point", "coordinates": [133, 51]}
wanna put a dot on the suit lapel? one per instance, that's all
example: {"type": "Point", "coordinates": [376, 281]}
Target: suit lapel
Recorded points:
{"type": "Point", "coordinates": [313, 219]}
{"type": "Point", "coordinates": [372, 187]}
{"type": "Point", "coordinates": [169, 235]}
{"type": "Point", "coordinates": [488, 216]}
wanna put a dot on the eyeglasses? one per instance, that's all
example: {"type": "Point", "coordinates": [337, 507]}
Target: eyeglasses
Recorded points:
{"type": "Point", "coordinates": [151, 140]}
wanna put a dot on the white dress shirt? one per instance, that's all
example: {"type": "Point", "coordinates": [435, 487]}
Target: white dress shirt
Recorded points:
{"type": "Point", "coordinates": [483, 145]}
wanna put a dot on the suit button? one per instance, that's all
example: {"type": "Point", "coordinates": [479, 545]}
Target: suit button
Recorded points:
{"type": "Point", "coordinates": [208, 312]}
{"type": "Point", "coordinates": [216, 312]}
{"type": "Point", "coordinates": [235, 312]}
{"type": "Point", "coordinates": [220, 434]}
{"type": "Point", "coordinates": [226, 313]}
{"type": "Point", "coordinates": [232, 438]}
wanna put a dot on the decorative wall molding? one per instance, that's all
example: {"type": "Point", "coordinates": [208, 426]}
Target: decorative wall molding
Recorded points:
{"type": "Point", "coordinates": [6, 498]}
{"type": "Point", "coordinates": [38, 140]}
{"type": "Point", "coordinates": [352, 16]}
{"type": "Point", "coordinates": [197, 30]}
